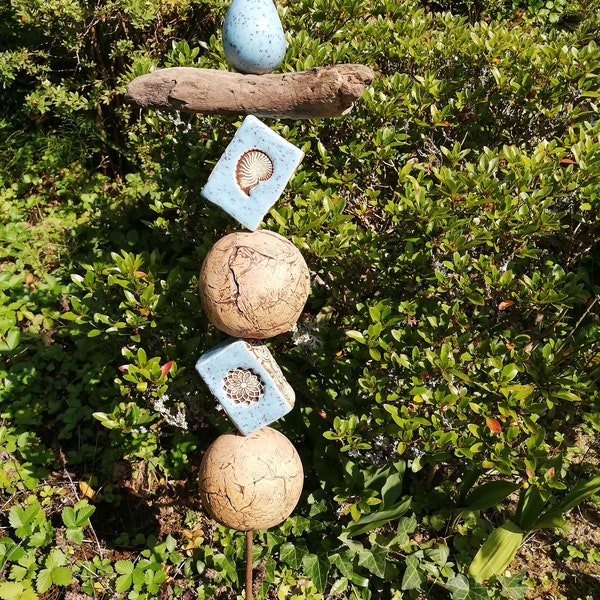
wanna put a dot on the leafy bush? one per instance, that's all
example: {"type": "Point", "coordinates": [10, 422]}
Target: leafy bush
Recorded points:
{"type": "Point", "coordinates": [446, 365]}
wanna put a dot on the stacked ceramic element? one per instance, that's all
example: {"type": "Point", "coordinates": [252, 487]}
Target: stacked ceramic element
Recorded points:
{"type": "Point", "coordinates": [253, 285]}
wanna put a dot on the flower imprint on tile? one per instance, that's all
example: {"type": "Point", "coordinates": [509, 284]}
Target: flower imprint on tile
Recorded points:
{"type": "Point", "coordinates": [243, 386]}
{"type": "Point", "coordinates": [253, 167]}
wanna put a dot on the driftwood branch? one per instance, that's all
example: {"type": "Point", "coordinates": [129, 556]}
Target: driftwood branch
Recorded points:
{"type": "Point", "coordinates": [319, 92]}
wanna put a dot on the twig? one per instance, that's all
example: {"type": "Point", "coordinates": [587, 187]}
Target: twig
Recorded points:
{"type": "Point", "coordinates": [100, 552]}
{"type": "Point", "coordinates": [583, 316]}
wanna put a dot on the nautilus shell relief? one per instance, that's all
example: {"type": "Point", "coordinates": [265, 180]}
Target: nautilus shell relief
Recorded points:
{"type": "Point", "coordinates": [252, 167]}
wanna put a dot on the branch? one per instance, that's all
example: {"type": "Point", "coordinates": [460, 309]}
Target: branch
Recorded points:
{"type": "Point", "coordinates": [319, 92]}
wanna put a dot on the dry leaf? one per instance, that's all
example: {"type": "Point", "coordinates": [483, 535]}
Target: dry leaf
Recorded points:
{"type": "Point", "coordinates": [505, 304]}
{"type": "Point", "coordinates": [87, 490]}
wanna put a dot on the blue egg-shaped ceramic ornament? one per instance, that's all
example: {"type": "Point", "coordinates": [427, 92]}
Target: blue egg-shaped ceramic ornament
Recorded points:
{"type": "Point", "coordinates": [253, 38]}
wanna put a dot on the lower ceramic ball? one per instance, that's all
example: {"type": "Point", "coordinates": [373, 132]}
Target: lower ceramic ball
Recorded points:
{"type": "Point", "coordinates": [251, 482]}
{"type": "Point", "coordinates": [254, 284]}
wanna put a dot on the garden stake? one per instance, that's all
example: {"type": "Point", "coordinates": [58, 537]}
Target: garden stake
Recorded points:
{"type": "Point", "coordinates": [249, 564]}
{"type": "Point", "coordinates": [252, 285]}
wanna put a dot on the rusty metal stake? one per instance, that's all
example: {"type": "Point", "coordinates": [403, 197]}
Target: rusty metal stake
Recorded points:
{"type": "Point", "coordinates": [249, 593]}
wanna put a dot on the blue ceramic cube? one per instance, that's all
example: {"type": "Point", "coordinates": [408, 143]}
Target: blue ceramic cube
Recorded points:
{"type": "Point", "coordinates": [247, 382]}
{"type": "Point", "coordinates": [252, 173]}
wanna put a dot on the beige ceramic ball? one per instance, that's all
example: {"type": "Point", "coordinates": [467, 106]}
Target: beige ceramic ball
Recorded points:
{"type": "Point", "coordinates": [254, 284]}
{"type": "Point", "coordinates": [251, 482]}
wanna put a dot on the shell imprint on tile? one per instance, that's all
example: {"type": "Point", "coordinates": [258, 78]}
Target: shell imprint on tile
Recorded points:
{"type": "Point", "coordinates": [253, 167]}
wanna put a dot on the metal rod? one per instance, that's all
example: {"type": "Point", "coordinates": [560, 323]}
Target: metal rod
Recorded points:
{"type": "Point", "coordinates": [249, 593]}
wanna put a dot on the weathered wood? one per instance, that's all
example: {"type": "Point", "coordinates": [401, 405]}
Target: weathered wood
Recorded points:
{"type": "Point", "coordinates": [319, 92]}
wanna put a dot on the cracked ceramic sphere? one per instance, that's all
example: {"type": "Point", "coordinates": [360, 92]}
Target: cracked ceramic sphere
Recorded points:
{"type": "Point", "coordinates": [254, 284]}
{"type": "Point", "coordinates": [251, 482]}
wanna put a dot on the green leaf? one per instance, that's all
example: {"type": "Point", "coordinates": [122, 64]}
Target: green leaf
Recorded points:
{"type": "Point", "coordinates": [124, 582]}
{"type": "Point", "coordinates": [44, 580]}
{"type": "Point", "coordinates": [344, 563]}
{"type": "Point", "coordinates": [107, 421]}
{"type": "Point", "coordinates": [529, 508]}
{"type": "Point", "coordinates": [497, 552]}
{"type": "Point", "coordinates": [10, 590]}
{"type": "Point", "coordinates": [439, 554]}
{"type": "Point", "coordinates": [413, 576]}
{"type": "Point", "coordinates": [373, 560]}
{"type": "Point", "coordinates": [316, 567]}
{"type": "Point", "coordinates": [476, 299]}
{"type": "Point", "coordinates": [509, 372]}
{"type": "Point", "coordinates": [360, 581]}
{"type": "Point", "coordinates": [477, 592]}
{"type": "Point", "coordinates": [74, 534]}
{"type": "Point", "coordinates": [77, 516]}
{"type": "Point", "coordinates": [12, 339]}
{"type": "Point", "coordinates": [56, 558]}
{"type": "Point", "coordinates": [458, 586]}
{"type": "Point", "coordinates": [581, 491]}
{"type": "Point", "coordinates": [68, 516]}
{"type": "Point", "coordinates": [61, 576]}
{"type": "Point", "coordinates": [356, 335]}
{"type": "Point", "coordinates": [489, 494]}
{"type": "Point", "coordinates": [378, 519]}
{"type": "Point", "coordinates": [468, 481]}
{"type": "Point", "coordinates": [513, 585]}
{"type": "Point", "coordinates": [19, 517]}
{"type": "Point", "coordinates": [292, 555]}
{"type": "Point", "coordinates": [339, 586]}
{"type": "Point", "coordinates": [392, 488]}
{"type": "Point", "coordinates": [124, 567]}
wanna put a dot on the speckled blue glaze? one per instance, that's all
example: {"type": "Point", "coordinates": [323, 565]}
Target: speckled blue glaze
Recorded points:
{"type": "Point", "coordinates": [277, 398]}
{"type": "Point", "coordinates": [222, 189]}
{"type": "Point", "coordinates": [253, 38]}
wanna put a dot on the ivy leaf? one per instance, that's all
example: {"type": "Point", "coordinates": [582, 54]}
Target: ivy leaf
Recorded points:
{"type": "Point", "coordinates": [407, 525]}
{"type": "Point", "coordinates": [513, 585]}
{"type": "Point", "coordinates": [343, 563]}
{"type": "Point", "coordinates": [477, 592]}
{"type": "Point", "coordinates": [339, 587]}
{"type": "Point", "coordinates": [373, 560]}
{"type": "Point", "coordinates": [291, 555]}
{"type": "Point", "coordinates": [459, 587]}
{"type": "Point", "coordinates": [413, 577]}
{"type": "Point", "coordinates": [316, 566]}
